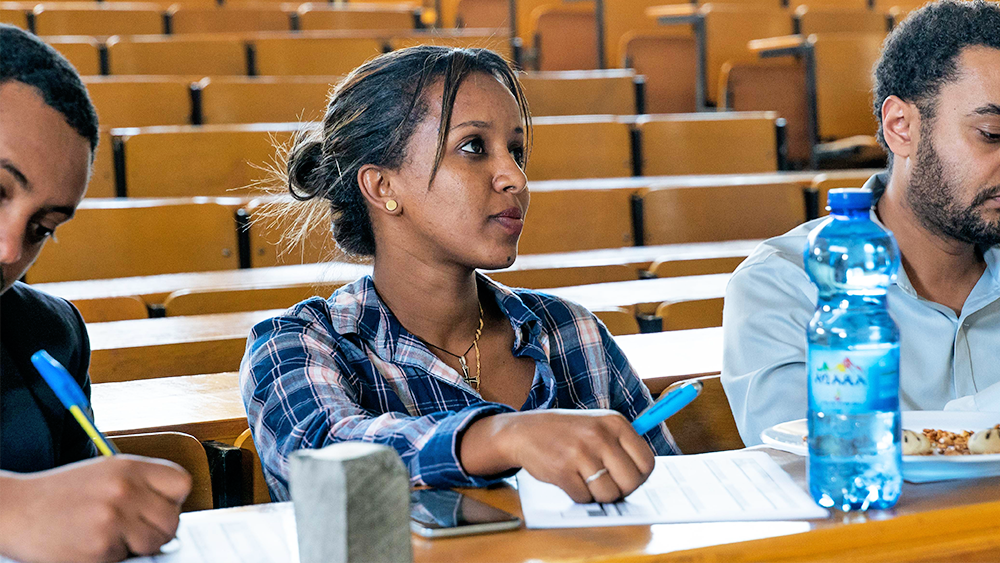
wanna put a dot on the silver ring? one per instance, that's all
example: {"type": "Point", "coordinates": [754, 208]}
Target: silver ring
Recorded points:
{"type": "Point", "coordinates": [595, 476]}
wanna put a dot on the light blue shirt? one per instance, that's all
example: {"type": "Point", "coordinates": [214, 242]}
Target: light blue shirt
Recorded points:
{"type": "Point", "coordinates": [947, 361]}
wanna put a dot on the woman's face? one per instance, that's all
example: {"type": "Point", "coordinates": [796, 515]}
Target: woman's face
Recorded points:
{"type": "Point", "coordinates": [473, 211]}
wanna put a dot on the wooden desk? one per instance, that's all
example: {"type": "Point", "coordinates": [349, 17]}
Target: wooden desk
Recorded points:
{"type": "Point", "coordinates": [945, 521]}
{"type": "Point", "coordinates": [661, 358]}
{"type": "Point", "coordinates": [957, 521]}
{"type": "Point", "coordinates": [155, 289]}
{"type": "Point", "coordinates": [644, 296]}
{"type": "Point", "coordinates": [209, 407]}
{"type": "Point", "coordinates": [148, 348]}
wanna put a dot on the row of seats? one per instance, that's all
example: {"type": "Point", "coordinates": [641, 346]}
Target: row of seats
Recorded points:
{"type": "Point", "coordinates": [148, 236]}
{"type": "Point", "coordinates": [304, 53]}
{"type": "Point", "coordinates": [137, 18]}
{"type": "Point", "coordinates": [140, 101]}
{"type": "Point", "coordinates": [223, 159]}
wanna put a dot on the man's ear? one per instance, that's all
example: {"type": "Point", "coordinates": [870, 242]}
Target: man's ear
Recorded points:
{"type": "Point", "coordinates": [377, 190]}
{"type": "Point", "coordinates": [900, 125]}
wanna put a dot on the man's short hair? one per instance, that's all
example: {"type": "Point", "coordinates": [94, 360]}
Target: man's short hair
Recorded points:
{"type": "Point", "coordinates": [27, 59]}
{"type": "Point", "coordinates": [921, 54]}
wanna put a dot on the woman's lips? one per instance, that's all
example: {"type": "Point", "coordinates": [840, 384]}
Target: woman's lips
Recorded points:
{"type": "Point", "coordinates": [510, 220]}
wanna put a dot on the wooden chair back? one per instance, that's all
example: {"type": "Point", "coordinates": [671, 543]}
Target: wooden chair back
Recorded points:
{"type": "Point", "coordinates": [707, 424]}
{"type": "Point", "coordinates": [567, 147]}
{"type": "Point", "coordinates": [525, 9]}
{"type": "Point", "coordinates": [107, 309]}
{"type": "Point", "coordinates": [482, 14]}
{"type": "Point", "coordinates": [15, 14]}
{"type": "Point", "coordinates": [544, 278]}
{"type": "Point", "coordinates": [120, 238]}
{"type": "Point", "coordinates": [231, 300]}
{"type": "Point", "coordinates": [835, 19]}
{"type": "Point", "coordinates": [140, 101]}
{"type": "Point", "coordinates": [218, 160]}
{"type": "Point", "coordinates": [669, 64]}
{"type": "Point", "coordinates": [828, 4]}
{"type": "Point", "coordinates": [98, 19]}
{"type": "Point", "coordinates": [567, 220]}
{"type": "Point", "coordinates": [255, 489]}
{"type": "Point", "coordinates": [273, 233]}
{"type": "Point", "coordinates": [618, 320]}
{"type": "Point", "coordinates": [565, 37]}
{"type": "Point", "coordinates": [81, 51]}
{"type": "Point", "coordinates": [728, 29]}
{"type": "Point", "coordinates": [778, 86]}
{"type": "Point", "coordinates": [353, 16]}
{"type": "Point", "coordinates": [309, 55]}
{"type": "Point", "coordinates": [102, 170]}
{"type": "Point", "coordinates": [184, 450]}
{"type": "Point", "coordinates": [717, 213]}
{"type": "Point", "coordinates": [582, 92]}
{"type": "Point", "coordinates": [203, 55]}
{"type": "Point", "coordinates": [627, 18]}
{"type": "Point", "coordinates": [264, 99]}
{"type": "Point", "coordinates": [479, 38]}
{"type": "Point", "coordinates": [228, 19]}
{"type": "Point", "coordinates": [823, 183]}
{"type": "Point", "coordinates": [695, 267]}
{"type": "Point", "coordinates": [844, 63]}
{"type": "Point", "coordinates": [709, 143]}
{"type": "Point", "coordinates": [684, 315]}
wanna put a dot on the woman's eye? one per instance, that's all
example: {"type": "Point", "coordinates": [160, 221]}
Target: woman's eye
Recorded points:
{"type": "Point", "coordinates": [37, 233]}
{"type": "Point", "coordinates": [518, 154]}
{"type": "Point", "coordinates": [474, 146]}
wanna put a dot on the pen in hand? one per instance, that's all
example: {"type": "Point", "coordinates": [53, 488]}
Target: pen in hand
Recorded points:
{"type": "Point", "coordinates": [666, 407]}
{"type": "Point", "coordinates": [71, 396]}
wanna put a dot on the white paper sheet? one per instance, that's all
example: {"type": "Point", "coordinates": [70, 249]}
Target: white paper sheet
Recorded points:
{"type": "Point", "coordinates": [257, 534]}
{"type": "Point", "coordinates": [723, 486]}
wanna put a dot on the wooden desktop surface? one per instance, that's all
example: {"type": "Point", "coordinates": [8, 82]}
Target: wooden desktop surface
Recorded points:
{"type": "Point", "coordinates": [943, 521]}
{"type": "Point", "coordinates": [644, 295]}
{"type": "Point", "coordinates": [153, 290]}
{"type": "Point", "coordinates": [209, 406]}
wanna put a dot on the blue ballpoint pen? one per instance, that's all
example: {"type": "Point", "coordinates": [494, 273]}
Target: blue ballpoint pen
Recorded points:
{"type": "Point", "coordinates": [667, 407]}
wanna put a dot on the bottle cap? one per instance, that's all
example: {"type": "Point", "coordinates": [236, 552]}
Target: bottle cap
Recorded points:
{"type": "Point", "coordinates": [848, 198]}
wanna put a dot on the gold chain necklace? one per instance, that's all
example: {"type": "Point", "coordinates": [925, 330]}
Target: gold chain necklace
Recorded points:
{"type": "Point", "coordinates": [470, 380]}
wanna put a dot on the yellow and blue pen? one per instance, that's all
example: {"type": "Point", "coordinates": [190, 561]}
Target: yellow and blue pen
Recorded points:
{"type": "Point", "coordinates": [72, 397]}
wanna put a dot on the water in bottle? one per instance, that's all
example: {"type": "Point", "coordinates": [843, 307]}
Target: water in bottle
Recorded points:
{"type": "Point", "coordinates": [855, 453]}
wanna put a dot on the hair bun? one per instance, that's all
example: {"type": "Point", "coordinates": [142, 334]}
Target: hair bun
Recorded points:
{"type": "Point", "coordinates": [304, 160]}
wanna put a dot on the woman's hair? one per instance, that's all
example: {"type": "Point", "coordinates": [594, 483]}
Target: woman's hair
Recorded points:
{"type": "Point", "coordinates": [369, 119]}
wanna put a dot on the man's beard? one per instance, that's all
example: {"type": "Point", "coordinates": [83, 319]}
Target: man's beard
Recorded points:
{"type": "Point", "coordinates": [933, 200]}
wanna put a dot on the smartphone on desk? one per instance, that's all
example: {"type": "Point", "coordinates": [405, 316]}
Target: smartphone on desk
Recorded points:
{"type": "Point", "coordinates": [436, 513]}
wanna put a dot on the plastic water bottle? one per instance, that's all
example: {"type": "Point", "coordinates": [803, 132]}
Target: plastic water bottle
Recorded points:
{"type": "Point", "coordinates": [855, 452]}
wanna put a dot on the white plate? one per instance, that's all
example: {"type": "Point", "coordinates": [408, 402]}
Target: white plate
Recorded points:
{"type": "Point", "coordinates": [788, 436]}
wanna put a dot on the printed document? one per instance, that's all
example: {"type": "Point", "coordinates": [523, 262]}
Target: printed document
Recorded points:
{"type": "Point", "coordinates": [715, 487]}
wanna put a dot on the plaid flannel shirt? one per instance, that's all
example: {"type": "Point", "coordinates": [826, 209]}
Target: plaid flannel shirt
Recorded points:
{"type": "Point", "coordinates": [344, 368]}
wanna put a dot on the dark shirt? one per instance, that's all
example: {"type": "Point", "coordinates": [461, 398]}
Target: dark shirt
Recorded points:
{"type": "Point", "coordinates": [36, 431]}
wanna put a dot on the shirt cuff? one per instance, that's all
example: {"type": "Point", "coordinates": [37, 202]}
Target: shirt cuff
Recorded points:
{"type": "Point", "coordinates": [439, 458]}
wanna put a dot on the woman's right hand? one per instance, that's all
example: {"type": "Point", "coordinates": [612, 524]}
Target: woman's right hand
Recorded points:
{"type": "Point", "coordinates": [562, 447]}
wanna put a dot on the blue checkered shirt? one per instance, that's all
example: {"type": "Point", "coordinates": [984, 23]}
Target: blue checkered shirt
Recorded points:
{"type": "Point", "coordinates": [344, 368]}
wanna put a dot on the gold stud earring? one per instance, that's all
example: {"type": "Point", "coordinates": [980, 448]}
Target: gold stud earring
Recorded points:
{"type": "Point", "coordinates": [391, 205]}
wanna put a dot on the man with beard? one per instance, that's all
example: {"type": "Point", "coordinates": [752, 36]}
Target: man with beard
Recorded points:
{"type": "Point", "coordinates": [937, 99]}
{"type": "Point", "coordinates": [57, 501]}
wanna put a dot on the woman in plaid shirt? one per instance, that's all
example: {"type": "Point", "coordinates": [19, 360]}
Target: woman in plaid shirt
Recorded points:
{"type": "Point", "coordinates": [419, 165]}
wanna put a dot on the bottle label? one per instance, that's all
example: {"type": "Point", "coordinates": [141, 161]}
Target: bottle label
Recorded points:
{"type": "Point", "coordinates": [854, 380]}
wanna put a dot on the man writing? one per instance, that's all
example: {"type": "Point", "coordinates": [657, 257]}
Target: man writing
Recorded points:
{"type": "Point", "coordinates": [937, 99]}
{"type": "Point", "coordinates": [58, 502]}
